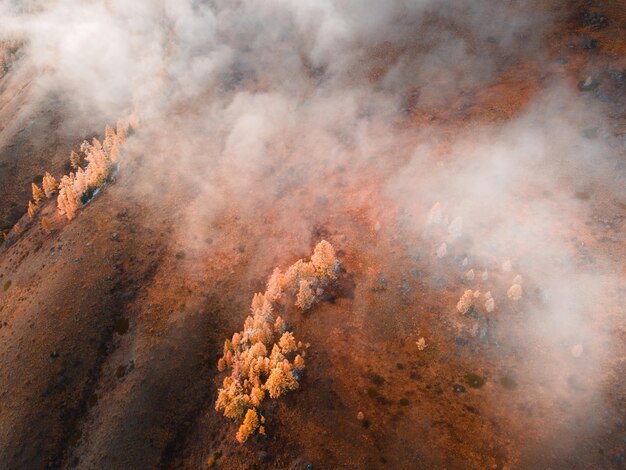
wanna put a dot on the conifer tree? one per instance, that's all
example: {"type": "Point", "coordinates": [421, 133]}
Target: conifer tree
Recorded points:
{"type": "Point", "coordinates": [46, 225]}
{"type": "Point", "coordinates": [50, 185]}
{"type": "Point", "coordinates": [435, 215]}
{"type": "Point", "coordinates": [465, 302]}
{"type": "Point", "coordinates": [324, 260]}
{"type": "Point", "coordinates": [442, 250]}
{"type": "Point", "coordinates": [305, 297]}
{"type": "Point", "coordinates": [67, 200]}
{"type": "Point", "coordinates": [75, 160]}
{"type": "Point", "coordinates": [38, 194]}
{"type": "Point", "coordinates": [81, 182]}
{"type": "Point", "coordinates": [249, 426]}
{"type": "Point", "coordinates": [121, 131]}
{"type": "Point", "coordinates": [32, 209]}
{"type": "Point", "coordinates": [110, 139]}
{"type": "Point", "coordinates": [515, 292]}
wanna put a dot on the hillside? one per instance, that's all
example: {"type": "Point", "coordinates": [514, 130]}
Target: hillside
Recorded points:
{"type": "Point", "coordinates": [450, 153]}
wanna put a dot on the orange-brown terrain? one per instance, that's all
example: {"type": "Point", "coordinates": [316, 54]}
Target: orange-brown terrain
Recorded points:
{"type": "Point", "coordinates": [388, 129]}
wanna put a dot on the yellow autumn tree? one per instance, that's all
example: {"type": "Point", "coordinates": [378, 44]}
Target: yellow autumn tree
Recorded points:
{"type": "Point", "coordinates": [38, 194]}
{"type": "Point", "coordinates": [249, 426]}
{"type": "Point", "coordinates": [75, 160]}
{"type": "Point", "coordinates": [324, 260]}
{"type": "Point", "coordinates": [32, 209]}
{"type": "Point", "coordinates": [305, 297]}
{"type": "Point", "coordinates": [50, 185]}
{"type": "Point", "coordinates": [46, 225]}
{"type": "Point", "coordinates": [67, 200]}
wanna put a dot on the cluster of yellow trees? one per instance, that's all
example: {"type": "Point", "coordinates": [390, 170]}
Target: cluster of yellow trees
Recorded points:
{"type": "Point", "coordinates": [78, 187]}
{"type": "Point", "coordinates": [8, 54]}
{"type": "Point", "coordinates": [264, 358]}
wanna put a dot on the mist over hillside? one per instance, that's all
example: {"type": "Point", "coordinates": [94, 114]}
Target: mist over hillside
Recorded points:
{"type": "Point", "coordinates": [463, 160]}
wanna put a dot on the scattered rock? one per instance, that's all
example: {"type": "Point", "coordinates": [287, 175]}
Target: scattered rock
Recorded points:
{"type": "Point", "coordinates": [115, 236]}
{"type": "Point", "coordinates": [360, 416]}
{"type": "Point", "coordinates": [54, 354]}
{"type": "Point", "coordinates": [456, 388]}
{"type": "Point", "coordinates": [421, 344]}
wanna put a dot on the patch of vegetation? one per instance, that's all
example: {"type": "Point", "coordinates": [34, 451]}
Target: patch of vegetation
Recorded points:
{"type": "Point", "coordinates": [474, 380]}
{"type": "Point", "coordinates": [87, 195]}
{"type": "Point", "coordinates": [404, 402]}
{"type": "Point", "coordinates": [378, 380]}
{"type": "Point", "coordinates": [121, 325]}
{"type": "Point", "coordinates": [7, 285]}
{"type": "Point", "coordinates": [93, 400]}
{"type": "Point", "coordinates": [264, 358]}
{"type": "Point", "coordinates": [75, 438]}
{"type": "Point", "coordinates": [213, 458]}
{"type": "Point", "coordinates": [372, 392]}
{"type": "Point", "coordinates": [508, 382]}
